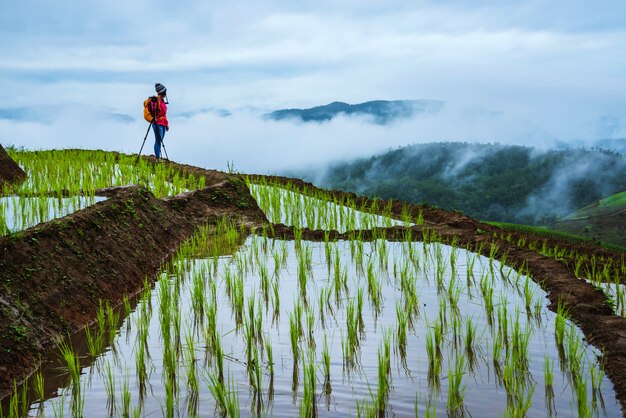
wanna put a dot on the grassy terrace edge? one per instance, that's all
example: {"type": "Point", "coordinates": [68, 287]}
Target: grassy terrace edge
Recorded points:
{"type": "Point", "coordinates": [551, 233]}
{"type": "Point", "coordinates": [33, 280]}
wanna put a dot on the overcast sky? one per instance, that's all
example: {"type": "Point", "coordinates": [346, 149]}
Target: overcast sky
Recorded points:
{"type": "Point", "coordinates": [74, 74]}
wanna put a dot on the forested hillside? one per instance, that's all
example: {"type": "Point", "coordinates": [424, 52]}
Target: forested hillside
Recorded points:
{"type": "Point", "coordinates": [487, 181]}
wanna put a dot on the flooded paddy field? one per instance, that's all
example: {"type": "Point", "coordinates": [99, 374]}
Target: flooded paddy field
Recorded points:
{"type": "Point", "coordinates": [349, 328]}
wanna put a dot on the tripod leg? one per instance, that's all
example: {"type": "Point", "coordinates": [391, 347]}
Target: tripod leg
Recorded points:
{"type": "Point", "coordinates": [164, 150]}
{"type": "Point", "coordinates": [143, 143]}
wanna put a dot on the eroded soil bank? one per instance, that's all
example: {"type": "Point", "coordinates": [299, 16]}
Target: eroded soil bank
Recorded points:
{"type": "Point", "coordinates": [10, 171]}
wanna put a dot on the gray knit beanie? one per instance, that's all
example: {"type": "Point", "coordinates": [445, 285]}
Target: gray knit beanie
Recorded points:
{"type": "Point", "coordinates": [160, 88]}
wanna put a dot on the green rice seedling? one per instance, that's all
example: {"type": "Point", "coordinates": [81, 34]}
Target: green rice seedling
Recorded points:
{"type": "Point", "coordinates": [470, 339]}
{"type": "Point", "coordinates": [126, 399]}
{"type": "Point", "coordinates": [456, 388]}
{"type": "Point", "coordinates": [310, 320]}
{"type": "Point", "coordinates": [275, 300]}
{"type": "Point", "coordinates": [574, 351]}
{"type": "Point", "coordinates": [401, 329]}
{"type": "Point", "coordinates": [72, 362]}
{"type": "Point", "coordinates": [238, 300]}
{"type": "Point", "coordinates": [496, 353]}
{"type": "Point", "coordinates": [580, 388]}
{"type": "Point", "coordinates": [559, 325]}
{"type": "Point", "coordinates": [528, 296]}
{"type": "Point", "coordinates": [294, 336]}
{"type": "Point", "coordinates": [141, 367]}
{"type": "Point", "coordinates": [270, 357]}
{"type": "Point", "coordinates": [366, 409]}
{"type": "Point", "coordinates": [503, 320]}
{"type": "Point", "coordinates": [14, 403]}
{"type": "Point", "coordinates": [519, 392]}
{"type": "Point", "coordinates": [265, 282]}
{"type": "Point", "coordinates": [95, 343]}
{"type": "Point", "coordinates": [454, 294]}
{"type": "Point", "coordinates": [198, 298]}
{"type": "Point", "coordinates": [109, 388]}
{"type": "Point", "coordinates": [250, 345]}
{"type": "Point", "coordinates": [456, 329]}
{"type": "Point", "coordinates": [308, 405]}
{"type": "Point", "coordinates": [352, 330]}
{"type": "Point", "coordinates": [326, 365]}
{"type": "Point", "coordinates": [487, 292]}
{"type": "Point", "coordinates": [493, 251]}
{"type": "Point", "coordinates": [471, 261]}
{"type": "Point", "coordinates": [258, 324]}
{"type": "Point", "coordinates": [113, 319]}
{"type": "Point", "coordinates": [127, 307]}
{"type": "Point", "coordinates": [597, 374]}
{"type": "Point", "coordinates": [322, 296]}
{"type": "Point", "coordinates": [359, 309]}
{"type": "Point", "coordinates": [219, 357]}
{"type": "Point", "coordinates": [38, 386]}
{"type": "Point", "coordinates": [169, 385]}
{"type": "Point", "coordinates": [58, 408]}
{"type": "Point", "coordinates": [384, 374]}
{"type": "Point", "coordinates": [170, 360]}
{"type": "Point", "coordinates": [101, 318]}
{"type": "Point", "coordinates": [520, 340]}
{"type": "Point", "coordinates": [190, 359]}
{"type": "Point", "coordinates": [434, 360]}
{"type": "Point", "coordinates": [254, 373]}
{"type": "Point", "coordinates": [548, 378]}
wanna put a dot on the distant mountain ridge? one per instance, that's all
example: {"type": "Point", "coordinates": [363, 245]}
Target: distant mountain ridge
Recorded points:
{"type": "Point", "coordinates": [382, 111]}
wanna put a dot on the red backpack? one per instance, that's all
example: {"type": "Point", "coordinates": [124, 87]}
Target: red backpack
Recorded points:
{"type": "Point", "coordinates": [151, 108]}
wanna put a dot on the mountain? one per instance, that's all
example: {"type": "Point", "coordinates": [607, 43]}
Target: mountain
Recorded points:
{"type": "Point", "coordinates": [603, 220]}
{"type": "Point", "coordinates": [492, 182]}
{"type": "Point", "coordinates": [382, 112]}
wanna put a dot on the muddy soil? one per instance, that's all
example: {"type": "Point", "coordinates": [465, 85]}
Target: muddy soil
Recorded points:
{"type": "Point", "coordinates": [10, 171]}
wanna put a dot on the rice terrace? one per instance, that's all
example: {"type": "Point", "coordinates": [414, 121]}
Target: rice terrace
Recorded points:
{"type": "Point", "coordinates": [161, 289]}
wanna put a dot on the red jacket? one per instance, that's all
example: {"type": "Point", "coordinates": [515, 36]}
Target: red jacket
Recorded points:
{"type": "Point", "coordinates": [162, 119]}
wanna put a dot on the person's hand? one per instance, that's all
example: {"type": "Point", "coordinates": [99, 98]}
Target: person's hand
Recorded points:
{"type": "Point", "coordinates": [167, 128]}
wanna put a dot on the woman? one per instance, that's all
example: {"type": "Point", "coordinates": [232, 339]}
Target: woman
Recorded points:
{"type": "Point", "coordinates": [160, 124]}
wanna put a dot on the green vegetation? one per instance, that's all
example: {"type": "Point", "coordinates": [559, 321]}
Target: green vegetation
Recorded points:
{"type": "Point", "coordinates": [545, 232]}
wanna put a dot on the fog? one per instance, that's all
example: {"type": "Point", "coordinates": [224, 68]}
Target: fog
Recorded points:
{"type": "Point", "coordinates": [209, 139]}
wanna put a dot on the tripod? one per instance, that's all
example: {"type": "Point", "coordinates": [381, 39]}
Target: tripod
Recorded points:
{"type": "Point", "coordinates": [158, 134]}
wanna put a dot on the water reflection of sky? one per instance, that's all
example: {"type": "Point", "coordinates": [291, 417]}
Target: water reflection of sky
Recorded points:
{"type": "Point", "coordinates": [484, 397]}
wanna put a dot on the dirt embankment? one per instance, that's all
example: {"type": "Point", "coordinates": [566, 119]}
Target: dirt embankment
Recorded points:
{"type": "Point", "coordinates": [53, 276]}
{"type": "Point", "coordinates": [10, 172]}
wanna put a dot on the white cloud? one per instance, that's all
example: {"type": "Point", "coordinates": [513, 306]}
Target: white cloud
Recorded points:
{"type": "Point", "coordinates": [553, 69]}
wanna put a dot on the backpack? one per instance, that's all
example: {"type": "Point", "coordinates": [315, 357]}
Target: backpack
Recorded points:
{"type": "Point", "coordinates": [151, 109]}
